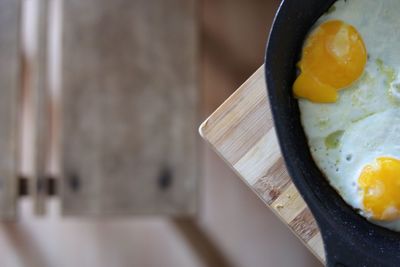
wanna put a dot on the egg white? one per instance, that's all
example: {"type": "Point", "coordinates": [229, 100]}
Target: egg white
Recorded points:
{"type": "Point", "coordinates": [365, 121]}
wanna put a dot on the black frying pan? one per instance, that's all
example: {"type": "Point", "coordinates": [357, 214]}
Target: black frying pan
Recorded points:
{"type": "Point", "coordinates": [349, 239]}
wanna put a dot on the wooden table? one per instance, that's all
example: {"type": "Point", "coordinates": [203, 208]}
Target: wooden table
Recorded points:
{"type": "Point", "coordinates": [241, 131]}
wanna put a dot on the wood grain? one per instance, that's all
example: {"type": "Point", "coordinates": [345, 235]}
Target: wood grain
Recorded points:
{"type": "Point", "coordinates": [129, 108]}
{"type": "Point", "coordinates": [241, 131]}
{"type": "Point", "coordinates": [9, 83]}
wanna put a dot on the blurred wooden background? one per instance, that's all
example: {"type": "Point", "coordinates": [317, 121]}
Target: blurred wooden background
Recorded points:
{"type": "Point", "coordinates": [9, 103]}
{"type": "Point", "coordinates": [233, 228]}
{"type": "Point", "coordinates": [129, 107]}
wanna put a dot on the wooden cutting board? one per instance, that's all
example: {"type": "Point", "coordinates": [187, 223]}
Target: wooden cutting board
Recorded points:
{"type": "Point", "coordinates": [241, 131]}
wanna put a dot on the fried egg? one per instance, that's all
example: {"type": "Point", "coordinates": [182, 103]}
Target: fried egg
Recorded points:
{"type": "Point", "coordinates": [333, 58]}
{"type": "Point", "coordinates": [348, 89]}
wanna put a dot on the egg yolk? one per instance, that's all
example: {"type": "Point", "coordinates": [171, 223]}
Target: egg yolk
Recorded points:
{"type": "Point", "coordinates": [333, 57]}
{"type": "Point", "coordinates": [380, 188]}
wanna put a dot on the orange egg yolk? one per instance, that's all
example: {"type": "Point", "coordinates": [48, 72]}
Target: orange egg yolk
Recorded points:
{"type": "Point", "coordinates": [380, 187]}
{"type": "Point", "coordinates": [333, 57]}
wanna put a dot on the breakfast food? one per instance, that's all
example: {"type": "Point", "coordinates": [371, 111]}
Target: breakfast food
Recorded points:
{"type": "Point", "coordinates": [348, 90]}
{"type": "Point", "coordinates": [333, 58]}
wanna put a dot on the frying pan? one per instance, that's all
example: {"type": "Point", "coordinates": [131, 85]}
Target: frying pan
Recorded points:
{"type": "Point", "coordinates": [349, 239]}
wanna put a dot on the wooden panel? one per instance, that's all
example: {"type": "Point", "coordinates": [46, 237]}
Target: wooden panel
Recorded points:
{"type": "Point", "coordinates": [38, 187]}
{"type": "Point", "coordinates": [241, 131]}
{"type": "Point", "coordinates": [129, 107]}
{"type": "Point", "coordinates": [9, 84]}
